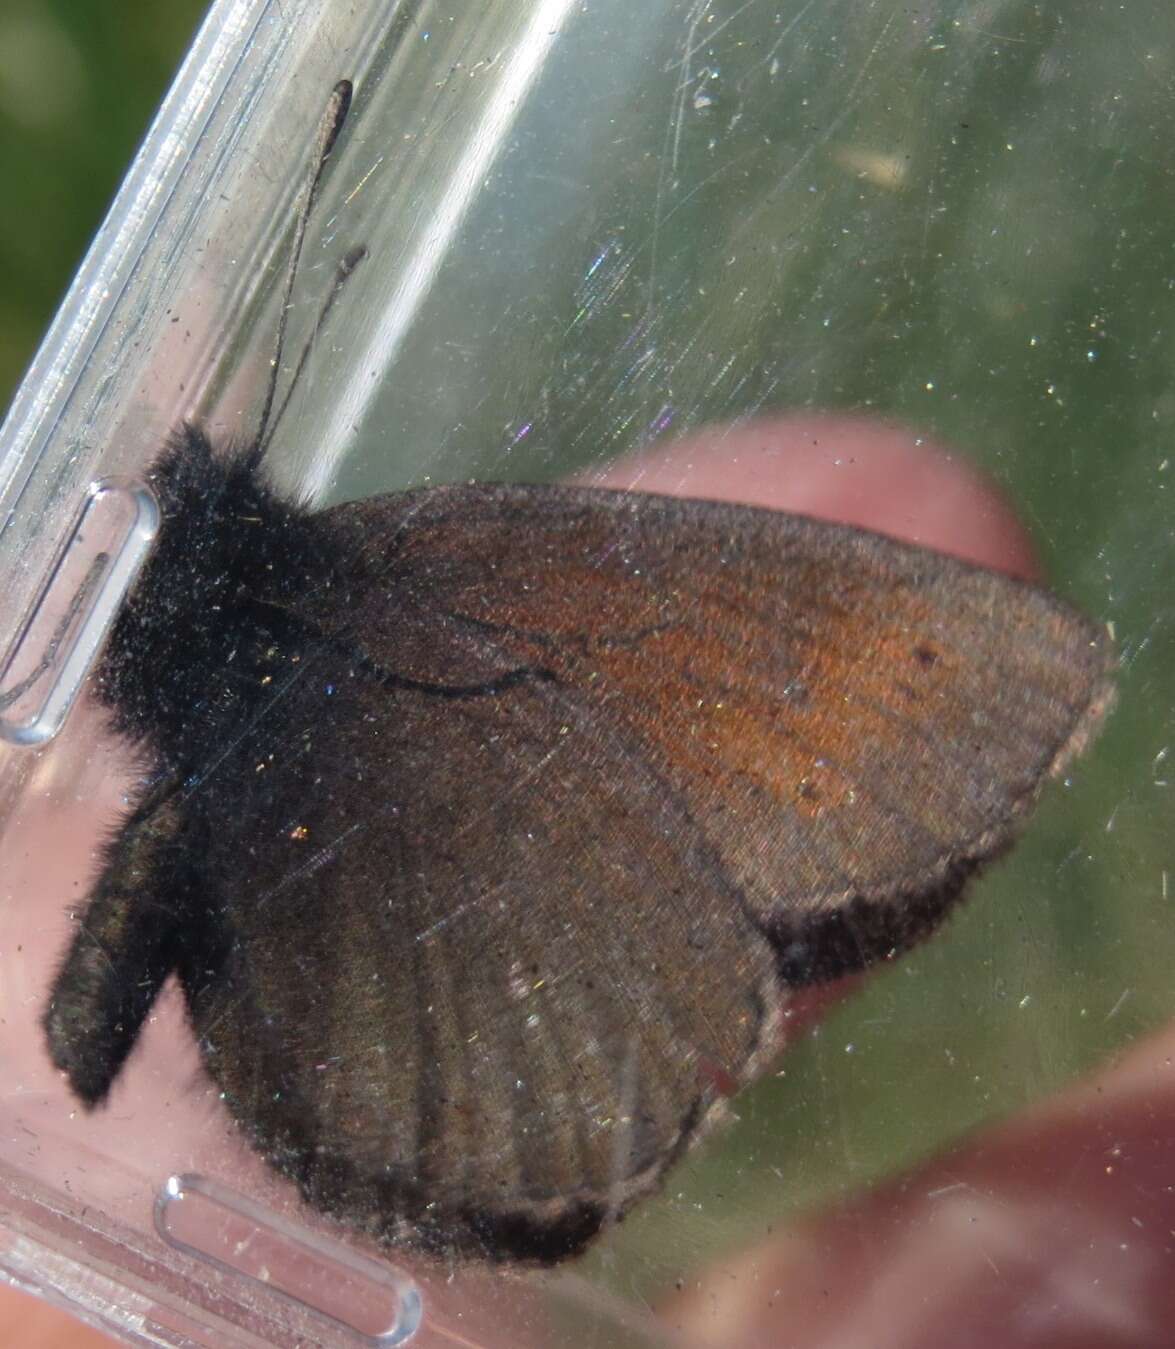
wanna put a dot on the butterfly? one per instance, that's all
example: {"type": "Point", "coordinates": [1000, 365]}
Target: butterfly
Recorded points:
{"type": "Point", "coordinates": [489, 829]}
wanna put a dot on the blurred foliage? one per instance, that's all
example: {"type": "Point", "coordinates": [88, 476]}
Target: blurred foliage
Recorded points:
{"type": "Point", "coordinates": [79, 84]}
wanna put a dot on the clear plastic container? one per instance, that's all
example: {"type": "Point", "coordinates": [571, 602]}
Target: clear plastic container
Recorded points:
{"type": "Point", "coordinates": [838, 237]}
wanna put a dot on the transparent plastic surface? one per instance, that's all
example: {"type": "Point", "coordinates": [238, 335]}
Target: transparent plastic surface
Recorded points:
{"type": "Point", "coordinates": [898, 267]}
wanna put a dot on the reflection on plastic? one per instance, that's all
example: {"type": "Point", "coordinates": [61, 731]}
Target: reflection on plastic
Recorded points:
{"type": "Point", "coordinates": [201, 1218]}
{"type": "Point", "coordinates": [70, 619]}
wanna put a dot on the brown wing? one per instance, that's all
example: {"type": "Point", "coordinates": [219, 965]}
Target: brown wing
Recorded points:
{"type": "Point", "coordinates": [573, 779]}
{"type": "Point", "coordinates": [483, 979]}
{"type": "Point", "coordinates": [850, 723]}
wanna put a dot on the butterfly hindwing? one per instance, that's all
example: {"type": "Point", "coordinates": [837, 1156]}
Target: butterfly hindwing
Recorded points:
{"type": "Point", "coordinates": [496, 969]}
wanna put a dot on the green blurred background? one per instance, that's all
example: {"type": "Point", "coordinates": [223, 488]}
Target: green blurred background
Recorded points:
{"type": "Point", "coordinates": [79, 84]}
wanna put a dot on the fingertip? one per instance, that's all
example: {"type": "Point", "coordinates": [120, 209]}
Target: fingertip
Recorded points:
{"type": "Point", "coordinates": [860, 471]}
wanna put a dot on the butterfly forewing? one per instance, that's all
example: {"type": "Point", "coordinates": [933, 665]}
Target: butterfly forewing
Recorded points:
{"type": "Point", "coordinates": [838, 713]}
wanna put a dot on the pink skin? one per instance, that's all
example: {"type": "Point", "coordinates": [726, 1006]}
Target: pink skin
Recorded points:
{"type": "Point", "coordinates": [876, 475]}
{"type": "Point", "coordinates": [1027, 1236]}
{"type": "Point", "coordinates": [1052, 1230]}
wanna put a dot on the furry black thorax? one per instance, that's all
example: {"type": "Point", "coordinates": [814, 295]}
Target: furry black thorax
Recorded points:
{"type": "Point", "coordinates": [208, 624]}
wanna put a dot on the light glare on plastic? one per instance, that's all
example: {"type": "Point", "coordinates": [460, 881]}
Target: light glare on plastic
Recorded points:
{"type": "Point", "coordinates": [64, 632]}
{"type": "Point", "coordinates": [376, 1302]}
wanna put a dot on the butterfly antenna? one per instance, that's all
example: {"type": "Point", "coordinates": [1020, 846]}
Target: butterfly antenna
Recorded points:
{"type": "Point", "coordinates": [342, 274]}
{"type": "Point", "coordinates": [333, 117]}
